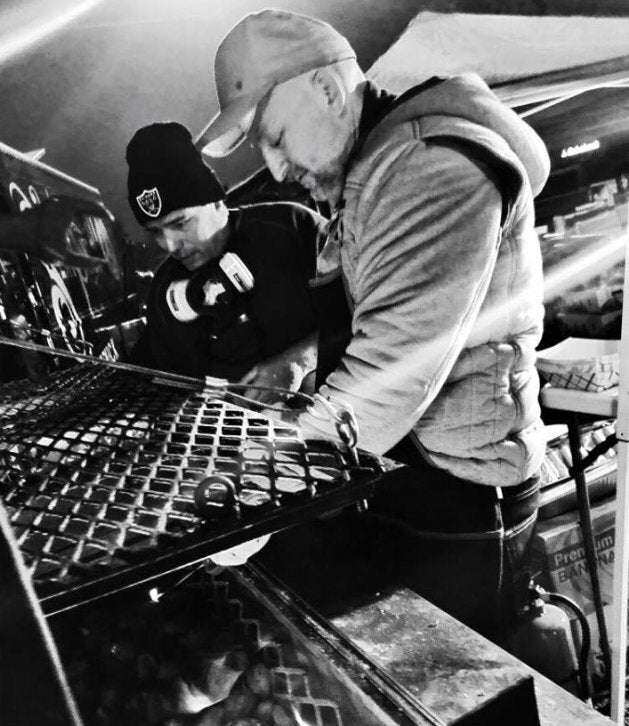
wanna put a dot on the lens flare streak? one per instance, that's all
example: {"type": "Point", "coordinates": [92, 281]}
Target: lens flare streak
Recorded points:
{"type": "Point", "coordinates": [578, 268]}
{"type": "Point", "coordinates": [584, 265]}
{"type": "Point", "coordinates": [14, 43]}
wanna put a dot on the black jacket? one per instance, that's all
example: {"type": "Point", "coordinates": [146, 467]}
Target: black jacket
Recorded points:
{"type": "Point", "coordinates": [278, 243]}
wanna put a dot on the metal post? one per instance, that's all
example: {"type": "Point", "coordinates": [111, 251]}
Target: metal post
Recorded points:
{"type": "Point", "coordinates": [621, 562]}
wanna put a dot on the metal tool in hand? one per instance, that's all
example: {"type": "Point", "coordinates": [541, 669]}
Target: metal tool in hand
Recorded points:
{"type": "Point", "coordinates": [342, 414]}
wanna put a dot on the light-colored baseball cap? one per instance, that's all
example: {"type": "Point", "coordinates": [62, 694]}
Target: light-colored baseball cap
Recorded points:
{"type": "Point", "coordinates": [259, 52]}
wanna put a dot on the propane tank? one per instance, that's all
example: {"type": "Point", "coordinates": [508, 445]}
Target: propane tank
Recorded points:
{"type": "Point", "coordinates": [543, 640]}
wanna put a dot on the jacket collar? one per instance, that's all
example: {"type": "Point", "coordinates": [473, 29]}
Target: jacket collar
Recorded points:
{"type": "Point", "coordinates": [378, 103]}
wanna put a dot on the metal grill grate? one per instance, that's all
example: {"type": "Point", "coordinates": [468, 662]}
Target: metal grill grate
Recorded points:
{"type": "Point", "coordinates": [98, 470]}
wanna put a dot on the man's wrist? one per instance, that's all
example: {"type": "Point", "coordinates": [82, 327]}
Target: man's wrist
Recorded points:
{"type": "Point", "coordinates": [306, 356]}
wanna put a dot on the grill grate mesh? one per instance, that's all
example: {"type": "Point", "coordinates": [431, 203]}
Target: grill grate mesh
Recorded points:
{"type": "Point", "coordinates": [98, 470]}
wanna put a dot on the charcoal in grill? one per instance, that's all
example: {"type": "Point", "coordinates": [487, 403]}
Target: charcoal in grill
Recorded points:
{"type": "Point", "coordinates": [206, 654]}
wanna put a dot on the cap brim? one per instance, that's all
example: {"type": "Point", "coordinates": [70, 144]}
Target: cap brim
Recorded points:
{"type": "Point", "coordinates": [229, 128]}
{"type": "Point", "coordinates": [223, 145]}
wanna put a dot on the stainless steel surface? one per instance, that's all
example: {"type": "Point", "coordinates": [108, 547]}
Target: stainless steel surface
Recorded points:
{"type": "Point", "coordinates": [449, 667]}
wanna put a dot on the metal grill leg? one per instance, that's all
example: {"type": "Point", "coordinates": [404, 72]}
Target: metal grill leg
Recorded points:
{"type": "Point", "coordinates": [587, 530]}
{"type": "Point", "coordinates": [33, 688]}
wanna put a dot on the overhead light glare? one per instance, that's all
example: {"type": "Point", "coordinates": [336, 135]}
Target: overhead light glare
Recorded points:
{"type": "Point", "coordinates": [18, 41]}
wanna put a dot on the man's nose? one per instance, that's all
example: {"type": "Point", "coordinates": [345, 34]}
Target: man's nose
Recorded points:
{"type": "Point", "coordinates": [276, 162]}
{"type": "Point", "coordinates": [171, 242]}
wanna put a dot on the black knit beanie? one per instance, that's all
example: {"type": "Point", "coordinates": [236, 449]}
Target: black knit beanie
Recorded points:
{"type": "Point", "coordinates": [166, 172]}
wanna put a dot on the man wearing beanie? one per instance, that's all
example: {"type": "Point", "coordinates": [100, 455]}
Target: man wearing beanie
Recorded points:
{"type": "Point", "coordinates": [432, 193]}
{"type": "Point", "coordinates": [267, 332]}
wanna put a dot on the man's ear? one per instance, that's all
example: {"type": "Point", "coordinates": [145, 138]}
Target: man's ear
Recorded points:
{"type": "Point", "coordinates": [330, 89]}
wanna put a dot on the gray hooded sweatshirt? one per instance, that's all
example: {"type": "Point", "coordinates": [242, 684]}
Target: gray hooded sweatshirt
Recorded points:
{"type": "Point", "coordinates": [443, 270]}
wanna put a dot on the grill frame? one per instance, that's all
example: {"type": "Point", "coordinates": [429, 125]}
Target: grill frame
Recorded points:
{"type": "Point", "coordinates": [98, 469]}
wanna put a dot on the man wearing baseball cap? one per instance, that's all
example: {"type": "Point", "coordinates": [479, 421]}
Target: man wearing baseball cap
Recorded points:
{"type": "Point", "coordinates": [254, 313]}
{"type": "Point", "coordinates": [433, 225]}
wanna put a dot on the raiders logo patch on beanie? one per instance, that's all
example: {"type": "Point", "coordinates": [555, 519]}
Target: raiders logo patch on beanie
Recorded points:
{"type": "Point", "coordinates": [150, 202]}
{"type": "Point", "coordinates": [166, 172]}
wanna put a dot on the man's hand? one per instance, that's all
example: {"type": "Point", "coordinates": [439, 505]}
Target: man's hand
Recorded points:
{"type": "Point", "coordinates": [277, 372]}
{"type": "Point", "coordinates": [286, 370]}
{"type": "Point", "coordinates": [298, 417]}
{"type": "Point", "coordinates": [41, 231]}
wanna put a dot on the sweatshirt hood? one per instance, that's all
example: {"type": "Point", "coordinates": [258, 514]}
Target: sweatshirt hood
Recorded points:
{"type": "Point", "coordinates": [468, 97]}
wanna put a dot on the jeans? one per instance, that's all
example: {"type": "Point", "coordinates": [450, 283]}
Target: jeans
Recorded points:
{"type": "Point", "coordinates": [459, 544]}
